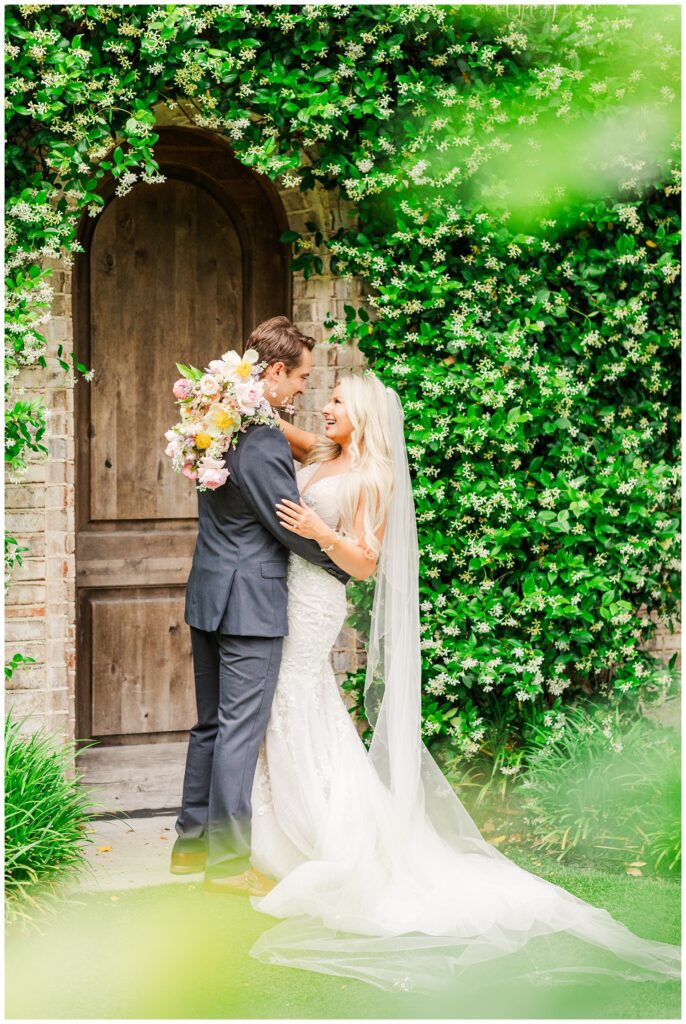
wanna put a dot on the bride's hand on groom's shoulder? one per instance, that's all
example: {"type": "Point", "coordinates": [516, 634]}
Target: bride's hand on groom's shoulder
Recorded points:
{"type": "Point", "coordinates": [301, 519]}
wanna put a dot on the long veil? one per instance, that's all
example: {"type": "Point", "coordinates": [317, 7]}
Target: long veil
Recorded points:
{"type": "Point", "coordinates": [394, 668]}
{"type": "Point", "coordinates": [460, 901]}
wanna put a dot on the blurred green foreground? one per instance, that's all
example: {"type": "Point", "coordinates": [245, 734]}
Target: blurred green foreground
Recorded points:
{"type": "Point", "coordinates": [176, 951]}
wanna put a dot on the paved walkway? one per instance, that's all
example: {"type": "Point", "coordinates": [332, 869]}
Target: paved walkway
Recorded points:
{"type": "Point", "coordinates": [139, 788]}
{"type": "Point", "coordinates": [130, 853]}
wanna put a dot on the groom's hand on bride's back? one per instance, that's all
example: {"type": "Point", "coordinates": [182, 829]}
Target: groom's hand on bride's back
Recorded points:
{"type": "Point", "coordinates": [265, 476]}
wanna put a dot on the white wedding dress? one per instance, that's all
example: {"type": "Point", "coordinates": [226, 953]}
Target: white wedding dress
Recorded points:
{"type": "Point", "coordinates": [367, 890]}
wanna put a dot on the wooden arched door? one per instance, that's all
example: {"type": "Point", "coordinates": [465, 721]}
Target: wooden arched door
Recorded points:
{"type": "Point", "coordinates": [179, 271]}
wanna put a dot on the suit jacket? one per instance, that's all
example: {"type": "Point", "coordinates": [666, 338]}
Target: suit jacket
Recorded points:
{"type": "Point", "coordinates": [237, 582]}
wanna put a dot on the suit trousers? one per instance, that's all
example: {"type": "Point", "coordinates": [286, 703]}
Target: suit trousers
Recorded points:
{"type": "Point", "coordinates": [235, 680]}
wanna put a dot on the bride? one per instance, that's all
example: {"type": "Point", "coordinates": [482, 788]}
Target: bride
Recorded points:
{"type": "Point", "coordinates": [381, 874]}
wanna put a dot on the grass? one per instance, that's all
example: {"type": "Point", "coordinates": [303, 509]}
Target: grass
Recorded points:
{"type": "Point", "coordinates": [583, 802]}
{"type": "Point", "coordinates": [176, 951]}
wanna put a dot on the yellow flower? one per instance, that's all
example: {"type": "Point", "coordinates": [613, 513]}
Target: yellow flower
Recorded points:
{"type": "Point", "coordinates": [244, 369]}
{"type": "Point", "coordinates": [221, 420]}
{"type": "Point", "coordinates": [203, 440]}
{"type": "Point", "coordinates": [238, 366]}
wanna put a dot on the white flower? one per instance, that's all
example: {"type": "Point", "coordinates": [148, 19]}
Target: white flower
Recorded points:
{"type": "Point", "coordinates": [249, 395]}
{"type": "Point", "coordinates": [209, 385]}
{"type": "Point", "coordinates": [291, 180]}
{"type": "Point", "coordinates": [238, 367]}
{"type": "Point", "coordinates": [173, 449]}
{"type": "Point", "coordinates": [216, 367]}
{"type": "Point", "coordinates": [212, 473]}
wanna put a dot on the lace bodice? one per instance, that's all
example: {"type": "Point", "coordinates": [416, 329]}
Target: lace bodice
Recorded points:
{"type": "Point", "coordinates": [322, 495]}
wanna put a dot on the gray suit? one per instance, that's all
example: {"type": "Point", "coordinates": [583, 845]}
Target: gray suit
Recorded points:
{"type": "Point", "coordinates": [236, 607]}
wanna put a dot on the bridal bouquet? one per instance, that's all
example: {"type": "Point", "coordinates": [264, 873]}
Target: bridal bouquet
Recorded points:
{"type": "Point", "coordinates": [215, 405]}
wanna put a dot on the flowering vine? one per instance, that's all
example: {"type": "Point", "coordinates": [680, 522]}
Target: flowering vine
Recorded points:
{"type": "Point", "coordinates": [516, 179]}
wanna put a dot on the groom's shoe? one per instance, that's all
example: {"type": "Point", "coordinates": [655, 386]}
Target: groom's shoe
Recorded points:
{"type": "Point", "coordinates": [188, 856]}
{"type": "Point", "coordinates": [248, 883]}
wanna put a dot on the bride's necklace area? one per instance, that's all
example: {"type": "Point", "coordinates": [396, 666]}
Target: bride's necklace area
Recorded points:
{"type": "Point", "coordinates": [317, 476]}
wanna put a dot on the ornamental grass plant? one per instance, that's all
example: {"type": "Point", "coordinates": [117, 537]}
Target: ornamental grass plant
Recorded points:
{"type": "Point", "coordinates": [607, 794]}
{"type": "Point", "coordinates": [46, 818]}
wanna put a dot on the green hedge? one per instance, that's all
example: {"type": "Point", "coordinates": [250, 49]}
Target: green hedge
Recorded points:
{"type": "Point", "coordinates": [516, 174]}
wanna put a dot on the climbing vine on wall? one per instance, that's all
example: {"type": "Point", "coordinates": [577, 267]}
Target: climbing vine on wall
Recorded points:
{"type": "Point", "coordinates": [515, 174]}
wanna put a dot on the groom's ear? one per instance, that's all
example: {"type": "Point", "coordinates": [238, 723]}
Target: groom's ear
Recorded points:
{"type": "Point", "coordinates": [277, 367]}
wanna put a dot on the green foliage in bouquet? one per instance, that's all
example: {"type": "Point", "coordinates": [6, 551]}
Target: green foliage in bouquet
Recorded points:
{"type": "Point", "coordinates": [515, 173]}
{"type": "Point", "coordinates": [189, 372]}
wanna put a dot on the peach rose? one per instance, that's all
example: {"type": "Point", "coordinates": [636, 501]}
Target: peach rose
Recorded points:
{"type": "Point", "coordinates": [208, 385]}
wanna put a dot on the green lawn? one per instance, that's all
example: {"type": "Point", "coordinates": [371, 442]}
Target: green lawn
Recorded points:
{"type": "Point", "coordinates": [178, 952]}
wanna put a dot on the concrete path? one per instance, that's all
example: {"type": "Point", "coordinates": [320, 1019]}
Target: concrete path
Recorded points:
{"type": "Point", "coordinates": [130, 853]}
{"type": "Point", "coordinates": [136, 789]}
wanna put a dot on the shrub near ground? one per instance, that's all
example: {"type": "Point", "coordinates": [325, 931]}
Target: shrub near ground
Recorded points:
{"type": "Point", "coordinates": [605, 794]}
{"type": "Point", "coordinates": [47, 814]}
{"type": "Point", "coordinates": [516, 177]}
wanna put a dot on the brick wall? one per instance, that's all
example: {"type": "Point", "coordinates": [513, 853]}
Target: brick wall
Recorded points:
{"type": "Point", "coordinates": [313, 301]}
{"type": "Point", "coordinates": [39, 606]}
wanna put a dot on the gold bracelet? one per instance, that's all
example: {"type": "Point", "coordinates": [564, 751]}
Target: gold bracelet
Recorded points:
{"type": "Point", "coordinates": [331, 546]}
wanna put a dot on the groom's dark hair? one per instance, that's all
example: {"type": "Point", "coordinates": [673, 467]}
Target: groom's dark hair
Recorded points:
{"type": "Point", "coordinates": [278, 340]}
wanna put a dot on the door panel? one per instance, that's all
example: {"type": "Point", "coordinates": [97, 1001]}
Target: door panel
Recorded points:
{"type": "Point", "coordinates": [140, 662]}
{"type": "Point", "coordinates": [166, 287]}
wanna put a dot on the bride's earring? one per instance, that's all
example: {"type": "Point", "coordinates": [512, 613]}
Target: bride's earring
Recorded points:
{"type": "Point", "coordinates": [273, 392]}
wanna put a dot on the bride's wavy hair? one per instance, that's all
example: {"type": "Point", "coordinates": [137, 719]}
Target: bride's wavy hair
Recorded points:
{"type": "Point", "coordinates": [366, 402]}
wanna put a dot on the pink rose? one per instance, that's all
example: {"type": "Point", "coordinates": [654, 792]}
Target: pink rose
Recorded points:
{"type": "Point", "coordinates": [248, 396]}
{"type": "Point", "coordinates": [183, 388]}
{"type": "Point", "coordinates": [212, 473]}
{"type": "Point", "coordinates": [188, 470]}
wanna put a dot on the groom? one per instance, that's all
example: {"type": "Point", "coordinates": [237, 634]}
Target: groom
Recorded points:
{"type": "Point", "coordinates": [236, 607]}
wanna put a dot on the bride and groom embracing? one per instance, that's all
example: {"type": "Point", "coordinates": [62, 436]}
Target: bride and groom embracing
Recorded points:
{"type": "Point", "coordinates": [368, 857]}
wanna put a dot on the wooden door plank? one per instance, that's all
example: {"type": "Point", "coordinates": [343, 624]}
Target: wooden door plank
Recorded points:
{"type": "Point", "coordinates": [141, 662]}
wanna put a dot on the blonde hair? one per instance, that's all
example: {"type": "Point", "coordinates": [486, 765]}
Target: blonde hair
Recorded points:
{"type": "Point", "coordinates": [371, 476]}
